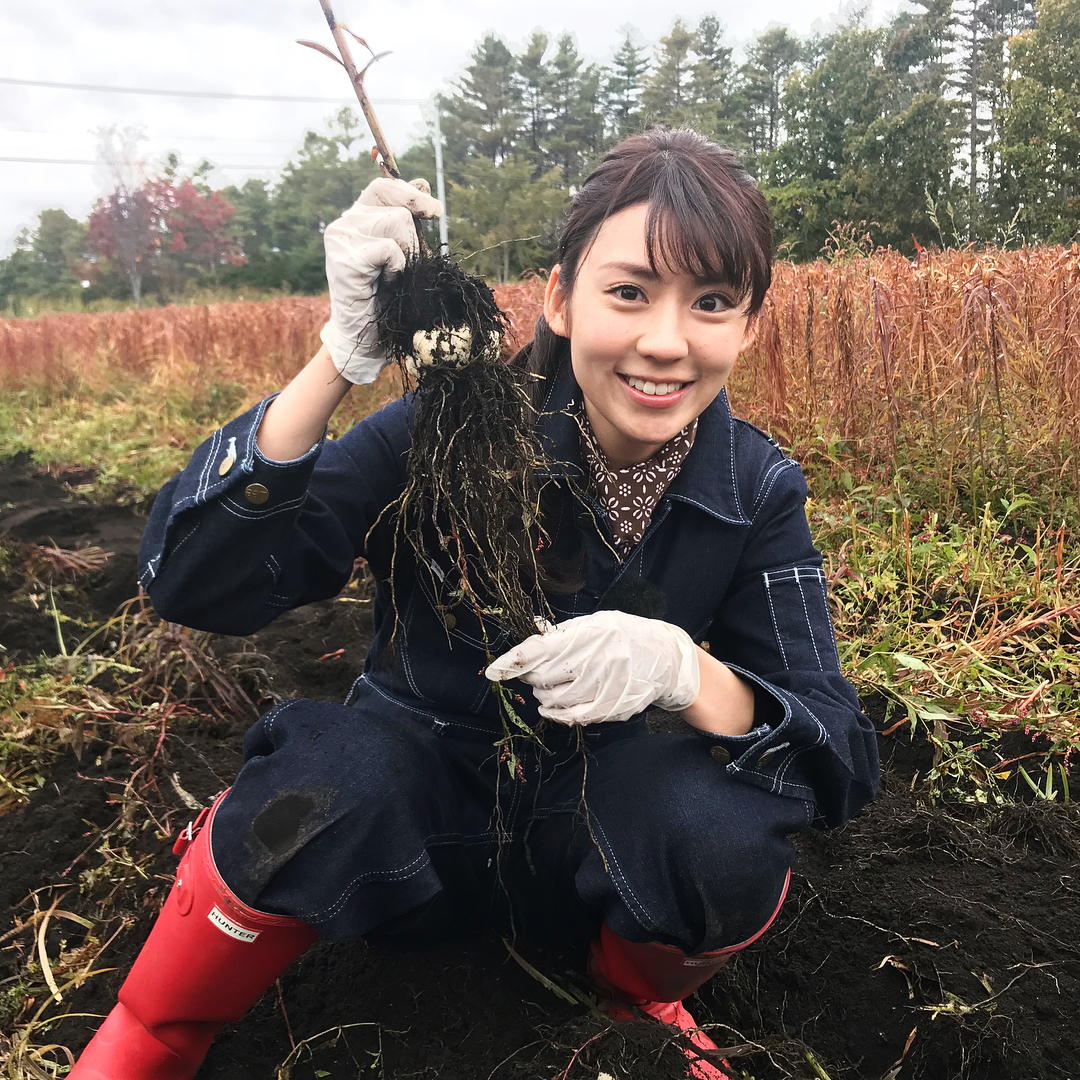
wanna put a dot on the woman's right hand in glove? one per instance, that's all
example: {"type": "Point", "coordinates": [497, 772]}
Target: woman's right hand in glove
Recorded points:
{"type": "Point", "coordinates": [369, 241]}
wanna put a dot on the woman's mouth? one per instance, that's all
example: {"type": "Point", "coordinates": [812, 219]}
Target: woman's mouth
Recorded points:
{"type": "Point", "coordinates": [650, 392]}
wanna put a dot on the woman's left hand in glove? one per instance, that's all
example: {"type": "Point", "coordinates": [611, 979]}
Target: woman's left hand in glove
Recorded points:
{"type": "Point", "coordinates": [604, 666]}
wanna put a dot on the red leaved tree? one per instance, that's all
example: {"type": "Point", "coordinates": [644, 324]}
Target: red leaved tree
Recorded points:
{"type": "Point", "coordinates": [195, 227]}
{"type": "Point", "coordinates": [173, 230]}
{"type": "Point", "coordinates": [122, 228]}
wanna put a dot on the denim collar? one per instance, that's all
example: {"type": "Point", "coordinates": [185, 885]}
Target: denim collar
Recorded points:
{"type": "Point", "coordinates": [707, 477]}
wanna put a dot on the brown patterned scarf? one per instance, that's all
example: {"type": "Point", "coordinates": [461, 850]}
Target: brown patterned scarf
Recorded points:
{"type": "Point", "coordinates": [630, 495]}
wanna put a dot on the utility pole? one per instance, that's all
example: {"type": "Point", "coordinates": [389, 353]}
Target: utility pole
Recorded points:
{"type": "Point", "coordinates": [440, 180]}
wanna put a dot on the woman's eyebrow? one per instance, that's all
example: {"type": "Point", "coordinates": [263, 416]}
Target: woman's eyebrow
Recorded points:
{"type": "Point", "coordinates": [647, 273]}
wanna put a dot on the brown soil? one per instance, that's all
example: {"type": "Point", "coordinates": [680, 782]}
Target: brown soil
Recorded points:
{"type": "Point", "coordinates": [952, 932]}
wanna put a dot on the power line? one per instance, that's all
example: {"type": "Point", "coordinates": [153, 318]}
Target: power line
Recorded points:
{"type": "Point", "coordinates": [88, 161]}
{"type": "Point", "coordinates": [217, 94]}
{"type": "Point", "coordinates": [171, 138]}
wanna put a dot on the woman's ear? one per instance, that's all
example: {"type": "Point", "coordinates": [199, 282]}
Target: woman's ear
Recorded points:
{"type": "Point", "coordinates": [555, 299]}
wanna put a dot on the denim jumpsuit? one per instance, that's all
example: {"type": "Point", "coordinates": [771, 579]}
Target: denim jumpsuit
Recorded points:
{"type": "Point", "coordinates": [396, 816]}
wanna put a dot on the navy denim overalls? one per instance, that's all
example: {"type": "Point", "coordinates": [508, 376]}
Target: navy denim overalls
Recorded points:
{"type": "Point", "coordinates": [394, 816]}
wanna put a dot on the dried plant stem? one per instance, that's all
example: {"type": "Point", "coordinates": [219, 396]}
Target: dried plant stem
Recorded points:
{"type": "Point", "coordinates": [387, 162]}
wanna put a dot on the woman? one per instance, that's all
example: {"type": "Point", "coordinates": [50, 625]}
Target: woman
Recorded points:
{"type": "Point", "coordinates": [689, 581]}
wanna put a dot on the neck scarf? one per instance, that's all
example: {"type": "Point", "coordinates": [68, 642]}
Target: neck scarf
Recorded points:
{"type": "Point", "coordinates": [630, 495]}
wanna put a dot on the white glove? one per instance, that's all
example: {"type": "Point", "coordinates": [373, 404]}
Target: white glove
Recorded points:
{"type": "Point", "coordinates": [604, 666]}
{"type": "Point", "coordinates": [370, 240]}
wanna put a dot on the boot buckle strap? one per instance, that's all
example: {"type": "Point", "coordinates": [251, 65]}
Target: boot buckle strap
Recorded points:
{"type": "Point", "coordinates": [190, 831]}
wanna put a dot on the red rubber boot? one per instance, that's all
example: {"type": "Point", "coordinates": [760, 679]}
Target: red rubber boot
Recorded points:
{"type": "Point", "coordinates": [207, 961]}
{"type": "Point", "coordinates": [655, 979]}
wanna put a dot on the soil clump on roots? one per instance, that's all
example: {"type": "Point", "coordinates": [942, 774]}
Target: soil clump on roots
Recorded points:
{"type": "Point", "coordinates": [916, 941]}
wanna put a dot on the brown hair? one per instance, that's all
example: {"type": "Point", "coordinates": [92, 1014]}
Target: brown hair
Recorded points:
{"type": "Point", "coordinates": [706, 218]}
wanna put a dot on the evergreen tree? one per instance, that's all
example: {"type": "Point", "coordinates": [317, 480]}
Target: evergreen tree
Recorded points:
{"type": "Point", "coordinates": [999, 21]}
{"type": "Point", "coordinates": [503, 220]}
{"type": "Point", "coordinates": [623, 88]}
{"type": "Point", "coordinates": [47, 261]}
{"type": "Point", "coordinates": [279, 227]}
{"type": "Point", "coordinates": [484, 115]}
{"type": "Point", "coordinates": [668, 92]}
{"type": "Point", "coordinates": [838, 95]}
{"type": "Point", "coordinates": [770, 59]}
{"type": "Point", "coordinates": [1039, 144]}
{"type": "Point", "coordinates": [533, 79]}
{"type": "Point", "coordinates": [575, 128]}
{"type": "Point", "coordinates": [870, 133]}
{"type": "Point", "coordinates": [711, 82]}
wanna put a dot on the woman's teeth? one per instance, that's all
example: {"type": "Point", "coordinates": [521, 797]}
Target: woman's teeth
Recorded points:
{"type": "Point", "coordinates": [659, 389]}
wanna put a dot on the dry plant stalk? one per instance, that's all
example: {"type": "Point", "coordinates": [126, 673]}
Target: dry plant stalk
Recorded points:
{"type": "Point", "coordinates": [970, 352]}
{"type": "Point", "coordinates": [50, 563]}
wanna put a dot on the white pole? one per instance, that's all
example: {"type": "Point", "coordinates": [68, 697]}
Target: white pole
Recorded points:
{"type": "Point", "coordinates": [440, 180]}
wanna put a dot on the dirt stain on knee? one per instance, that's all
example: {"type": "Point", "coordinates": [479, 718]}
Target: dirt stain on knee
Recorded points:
{"type": "Point", "coordinates": [278, 825]}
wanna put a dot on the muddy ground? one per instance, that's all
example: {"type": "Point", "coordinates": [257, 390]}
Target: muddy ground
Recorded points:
{"type": "Point", "coordinates": [917, 941]}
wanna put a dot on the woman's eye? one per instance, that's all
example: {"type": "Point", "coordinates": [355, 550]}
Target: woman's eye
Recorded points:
{"type": "Point", "coordinates": [713, 302]}
{"type": "Point", "coordinates": [627, 292]}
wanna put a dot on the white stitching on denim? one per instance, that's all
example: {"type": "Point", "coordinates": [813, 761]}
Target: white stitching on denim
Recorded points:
{"type": "Point", "coordinates": [249, 451]}
{"type": "Point", "coordinates": [263, 460]}
{"type": "Point", "coordinates": [403, 652]}
{"type": "Point", "coordinates": [434, 717]}
{"type": "Point", "coordinates": [257, 515]}
{"type": "Point", "coordinates": [809, 624]}
{"type": "Point", "coordinates": [776, 625]}
{"type": "Point", "coordinates": [766, 484]}
{"type": "Point", "coordinates": [204, 475]}
{"type": "Point", "coordinates": [787, 463]}
{"type": "Point", "coordinates": [787, 787]}
{"type": "Point", "coordinates": [731, 458]}
{"type": "Point", "coordinates": [821, 740]}
{"type": "Point", "coordinates": [270, 717]}
{"type": "Point", "coordinates": [198, 526]}
{"type": "Point", "coordinates": [828, 615]}
{"type": "Point", "coordinates": [708, 509]}
{"type": "Point", "coordinates": [643, 915]}
{"type": "Point", "coordinates": [789, 760]}
{"type": "Point", "coordinates": [328, 913]}
{"type": "Point", "coordinates": [469, 639]}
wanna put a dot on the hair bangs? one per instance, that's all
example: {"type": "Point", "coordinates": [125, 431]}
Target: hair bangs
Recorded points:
{"type": "Point", "coordinates": [700, 246]}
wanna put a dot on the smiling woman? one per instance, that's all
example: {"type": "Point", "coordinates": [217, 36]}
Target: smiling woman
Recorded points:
{"type": "Point", "coordinates": [664, 260]}
{"type": "Point", "coordinates": [696, 589]}
{"type": "Point", "coordinates": [651, 349]}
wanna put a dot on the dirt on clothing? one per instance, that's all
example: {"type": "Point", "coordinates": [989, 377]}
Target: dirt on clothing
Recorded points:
{"type": "Point", "coordinates": [916, 941]}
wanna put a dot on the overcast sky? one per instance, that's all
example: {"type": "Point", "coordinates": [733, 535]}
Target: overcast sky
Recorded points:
{"type": "Point", "coordinates": [249, 48]}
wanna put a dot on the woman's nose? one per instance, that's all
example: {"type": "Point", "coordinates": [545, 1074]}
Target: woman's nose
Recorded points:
{"type": "Point", "coordinates": [663, 337]}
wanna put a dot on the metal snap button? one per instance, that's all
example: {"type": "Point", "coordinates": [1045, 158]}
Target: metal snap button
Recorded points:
{"type": "Point", "coordinates": [256, 493]}
{"type": "Point", "coordinates": [721, 755]}
{"type": "Point", "coordinates": [226, 464]}
{"type": "Point", "coordinates": [766, 758]}
{"type": "Point", "coordinates": [449, 621]}
{"type": "Point", "coordinates": [584, 519]}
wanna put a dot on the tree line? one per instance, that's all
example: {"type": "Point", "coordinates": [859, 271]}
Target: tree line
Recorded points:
{"type": "Point", "coordinates": [956, 122]}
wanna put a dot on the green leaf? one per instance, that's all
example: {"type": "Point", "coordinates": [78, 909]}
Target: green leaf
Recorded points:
{"type": "Point", "coordinates": [912, 662]}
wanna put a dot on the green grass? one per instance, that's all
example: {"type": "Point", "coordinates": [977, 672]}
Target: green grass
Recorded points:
{"type": "Point", "coordinates": [970, 628]}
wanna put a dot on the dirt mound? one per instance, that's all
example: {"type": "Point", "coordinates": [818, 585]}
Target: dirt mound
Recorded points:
{"type": "Point", "coordinates": [916, 941]}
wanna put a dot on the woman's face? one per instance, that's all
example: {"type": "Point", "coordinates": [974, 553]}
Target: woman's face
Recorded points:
{"type": "Point", "coordinates": [650, 351]}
